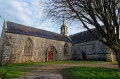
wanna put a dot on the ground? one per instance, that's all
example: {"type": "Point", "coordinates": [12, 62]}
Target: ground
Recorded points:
{"type": "Point", "coordinates": [54, 71]}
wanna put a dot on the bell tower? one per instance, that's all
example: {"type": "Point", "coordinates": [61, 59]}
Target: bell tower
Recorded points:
{"type": "Point", "coordinates": [63, 28]}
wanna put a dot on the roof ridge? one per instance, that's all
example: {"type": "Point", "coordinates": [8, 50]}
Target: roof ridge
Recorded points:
{"type": "Point", "coordinates": [79, 32]}
{"type": "Point", "coordinates": [82, 31]}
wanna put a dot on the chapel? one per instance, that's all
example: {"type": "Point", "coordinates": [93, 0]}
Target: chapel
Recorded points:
{"type": "Point", "coordinates": [20, 43]}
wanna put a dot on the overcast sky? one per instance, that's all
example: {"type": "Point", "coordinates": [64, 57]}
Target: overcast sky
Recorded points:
{"type": "Point", "coordinates": [30, 13]}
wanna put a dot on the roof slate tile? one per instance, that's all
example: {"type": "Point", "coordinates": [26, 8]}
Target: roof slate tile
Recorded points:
{"type": "Point", "coordinates": [84, 36]}
{"type": "Point", "coordinates": [26, 30]}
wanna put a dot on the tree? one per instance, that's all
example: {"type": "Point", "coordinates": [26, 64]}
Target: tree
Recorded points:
{"type": "Point", "coordinates": [94, 13]}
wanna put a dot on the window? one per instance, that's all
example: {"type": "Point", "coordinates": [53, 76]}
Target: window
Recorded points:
{"type": "Point", "coordinates": [66, 49]}
{"type": "Point", "coordinates": [28, 49]}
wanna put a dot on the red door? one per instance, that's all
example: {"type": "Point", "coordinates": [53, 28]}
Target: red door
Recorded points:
{"type": "Point", "coordinates": [83, 56]}
{"type": "Point", "coordinates": [50, 56]}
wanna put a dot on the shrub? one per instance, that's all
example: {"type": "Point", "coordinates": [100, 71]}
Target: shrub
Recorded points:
{"type": "Point", "coordinates": [3, 73]}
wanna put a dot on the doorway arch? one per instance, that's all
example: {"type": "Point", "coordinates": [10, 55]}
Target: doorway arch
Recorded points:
{"type": "Point", "coordinates": [51, 54]}
{"type": "Point", "coordinates": [83, 56]}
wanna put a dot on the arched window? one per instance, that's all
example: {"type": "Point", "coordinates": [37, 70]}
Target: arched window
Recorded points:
{"type": "Point", "coordinates": [66, 49]}
{"type": "Point", "coordinates": [28, 47]}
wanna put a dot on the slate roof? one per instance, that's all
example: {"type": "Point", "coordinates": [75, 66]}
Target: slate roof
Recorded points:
{"type": "Point", "coordinates": [84, 36]}
{"type": "Point", "coordinates": [26, 30]}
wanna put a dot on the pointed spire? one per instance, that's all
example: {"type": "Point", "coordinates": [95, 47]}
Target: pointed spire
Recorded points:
{"type": "Point", "coordinates": [64, 25]}
{"type": "Point", "coordinates": [63, 20]}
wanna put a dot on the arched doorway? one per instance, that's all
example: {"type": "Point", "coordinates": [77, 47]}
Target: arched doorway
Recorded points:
{"type": "Point", "coordinates": [28, 50]}
{"type": "Point", "coordinates": [83, 56]}
{"type": "Point", "coordinates": [51, 54]}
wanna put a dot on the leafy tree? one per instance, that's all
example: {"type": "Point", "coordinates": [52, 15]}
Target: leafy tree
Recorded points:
{"type": "Point", "coordinates": [94, 13]}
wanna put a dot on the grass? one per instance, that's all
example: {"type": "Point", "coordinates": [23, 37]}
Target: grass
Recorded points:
{"type": "Point", "coordinates": [18, 69]}
{"type": "Point", "coordinates": [115, 62]}
{"type": "Point", "coordinates": [55, 62]}
{"type": "Point", "coordinates": [73, 61]}
{"type": "Point", "coordinates": [91, 73]}
{"type": "Point", "coordinates": [15, 71]}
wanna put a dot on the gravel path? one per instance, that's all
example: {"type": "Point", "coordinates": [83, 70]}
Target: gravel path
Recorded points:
{"type": "Point", "coordinates": [54, 71]}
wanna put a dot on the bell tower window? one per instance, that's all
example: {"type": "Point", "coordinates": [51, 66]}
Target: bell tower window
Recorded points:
{"type": "Point", "coordinates": [64, 28]}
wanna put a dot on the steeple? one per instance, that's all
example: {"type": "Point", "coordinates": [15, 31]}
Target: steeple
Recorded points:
{"type": "Point", "coordinates": [64, 28]}
{"type": "Point", "coordinates": [63, 21]}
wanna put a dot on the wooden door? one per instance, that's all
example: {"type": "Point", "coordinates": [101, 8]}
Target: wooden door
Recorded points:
{"type": "Point", "coordinates": [83, 56]}
{"type": "Point", "coordinates": [50, 56]}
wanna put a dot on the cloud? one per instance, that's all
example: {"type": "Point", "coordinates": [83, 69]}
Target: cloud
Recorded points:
{"type": "Point", "coordinates": [16, 11]}
{"type": "Point", "coordinates": [75, 27]}
{"type": "Point", "coordinates": [50, 26]}
{"type": "Point", "coordinates": [19, 11]}
{"type": "Point", "coordinates": [1, 29]}
{"type": "Point", "coordinates": [30, 13]}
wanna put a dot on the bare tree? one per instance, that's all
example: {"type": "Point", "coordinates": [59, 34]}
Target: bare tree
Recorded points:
{"type": "Point", "coordinates": [94, 13]}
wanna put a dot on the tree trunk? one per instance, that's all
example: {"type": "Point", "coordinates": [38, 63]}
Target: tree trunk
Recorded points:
{"type": "Point", "coordinates": [119, 62]}
{"type": "Point", "coordinates": [118, 59]}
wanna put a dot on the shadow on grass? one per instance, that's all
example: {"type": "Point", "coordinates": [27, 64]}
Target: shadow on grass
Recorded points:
{"type": "Point", "coordinates": [91, 73]}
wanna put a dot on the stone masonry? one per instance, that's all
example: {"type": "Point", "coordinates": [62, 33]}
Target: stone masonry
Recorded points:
{"type": "Point", "coordinates": [94, 50]}
{"type": "Point", "coordinates": [15, 43]}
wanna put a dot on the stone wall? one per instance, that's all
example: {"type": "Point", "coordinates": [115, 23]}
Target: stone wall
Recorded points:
{"type": "Point", "coordinates": [110, 55]}
{"type": "Point", "coordinates": [2, 40]}
{"type": "Point", "coordinates": [15, 46]}
{"type": "Point", "coordinates": [94, 50]}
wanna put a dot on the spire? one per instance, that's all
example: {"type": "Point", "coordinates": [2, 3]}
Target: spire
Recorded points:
{"type": "Point", "coordinates": [64, 28]}
{"type": "Point", "coordinates": [64, 24]}
{"type": "Point", "coordinates": [63, 20]}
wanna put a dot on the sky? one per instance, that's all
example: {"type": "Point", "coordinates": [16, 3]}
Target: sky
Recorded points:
{"type": "Point", "coordinates": [30, 13]}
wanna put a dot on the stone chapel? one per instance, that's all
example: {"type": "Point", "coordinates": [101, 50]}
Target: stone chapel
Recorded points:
{"type": "Point", "coordinates": [20, 43]}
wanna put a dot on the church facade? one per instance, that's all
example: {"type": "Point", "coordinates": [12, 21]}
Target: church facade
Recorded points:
{"type": "Point", "coordinates": [20, 43]}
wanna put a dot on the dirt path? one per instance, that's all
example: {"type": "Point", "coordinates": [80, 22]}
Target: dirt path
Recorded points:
{"type": "Point", "coordinates": [54, 71]}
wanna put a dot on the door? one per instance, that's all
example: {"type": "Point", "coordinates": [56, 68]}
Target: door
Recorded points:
{"type": "Point", "coordinates": [50, 56]}
{"type": "Point", "coordinates": [83, 56]}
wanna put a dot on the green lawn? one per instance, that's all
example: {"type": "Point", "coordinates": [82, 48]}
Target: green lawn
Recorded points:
{"type": "Point", "coordinates": [72, 61]}
{"type": "Point", "coordinates": [15, 71]}
{"type": "Point", "coordinates": [18, 69]}
{"type": "Point", "coordinates": [91, 73]}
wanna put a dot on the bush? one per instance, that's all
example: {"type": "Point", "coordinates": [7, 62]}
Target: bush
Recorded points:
{"type": "Point", "coordinates": [3, 73]}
